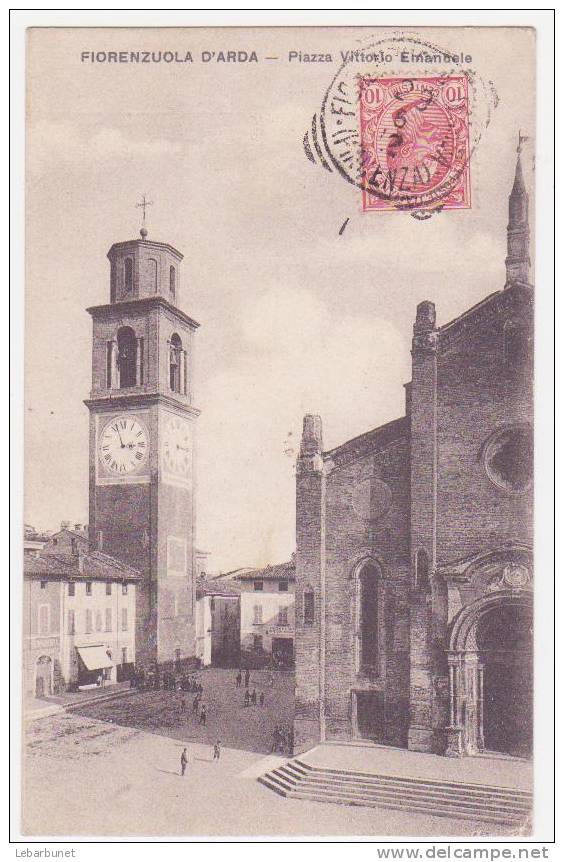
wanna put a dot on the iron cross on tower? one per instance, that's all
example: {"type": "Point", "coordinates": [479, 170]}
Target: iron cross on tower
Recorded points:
{"type": "Point", "coordinates": [522, 139]}
{"type": "Point", "coordinates": [144, 204]}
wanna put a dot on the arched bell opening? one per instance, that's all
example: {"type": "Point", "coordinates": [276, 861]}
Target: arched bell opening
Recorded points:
{"type": "Point", "coordinates": [177, 365]}
{"type": "Point", "coordinates": [127, 357]}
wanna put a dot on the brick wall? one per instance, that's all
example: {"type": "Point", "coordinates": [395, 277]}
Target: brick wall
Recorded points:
{"type": "Point", "coordinates": [367, 518]}
{"type": "Point", "coordinates": [309, 560]}
{"type": "Point", "coordinates": [464, 391]}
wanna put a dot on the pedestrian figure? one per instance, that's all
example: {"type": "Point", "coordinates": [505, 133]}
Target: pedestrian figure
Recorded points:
{"type": "Point", "coordinates": [254, 697]}
{"type": "Point", "coordinates": [238, 679]}
{"type": "Point", "coordinates": [183, 704]}
{"type": "Point", "coordinates": [291, 741]}
{"type": "Point", "coordinates": [203, 715]}
{"type": "Point", "coordinates": [275, 737]}
{"type": "Point", "coordinates": [247, 697]}
{"type": "Point", "coordinates": [247, 678]}
{"type": "Point", "coordinates": [195, 704]}
{"type": "Point", "coordinates": [217, 750]}
{"type": "Point", "coordinates": [183, 762]}
{"type": "Point", "coordinates": [261, 698]}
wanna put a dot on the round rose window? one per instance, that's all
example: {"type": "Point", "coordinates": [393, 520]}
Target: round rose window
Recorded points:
{"type": "Point", "coordinates": [371, 499]}
{"type": "Point", "coordinates": [509, 459]}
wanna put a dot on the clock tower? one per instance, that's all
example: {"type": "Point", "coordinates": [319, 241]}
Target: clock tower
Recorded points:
{"type": "Point", "coordinates": [142, 440]}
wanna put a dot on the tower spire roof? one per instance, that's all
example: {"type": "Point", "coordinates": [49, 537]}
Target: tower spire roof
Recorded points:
{"type": "Point", "coordinates": [517, 262]}
{"type": "Point", "coordinates": [519, 181]}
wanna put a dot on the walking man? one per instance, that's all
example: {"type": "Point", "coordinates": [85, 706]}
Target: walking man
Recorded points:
{"type": "Point", "coordinates": [247, 697]}
{"type": "Point", "coordinates": [183, 762]}
{"type": "Point", "coordinates": [203, 715]}
{"type": "Point", "coordinates": [291, 741]}
{"type": "Point", "coordinates": [254, 697]}
{"type": "Point", "coordinates": [217, 750]}
{"type": "Point", "coordinates": [275, 738]}
{"type": "Point", "coordinates": [195, 705]}
{"type": "Point", "coordinates": [247, 678]}
{"type": "Point", "coordinates": [239, 679]}
{"type": "Point", "coordinates": [261, 698]}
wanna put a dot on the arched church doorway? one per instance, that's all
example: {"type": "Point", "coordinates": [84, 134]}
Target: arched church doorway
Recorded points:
{"type": "Point", "coordinates": [490, 663]}
{"type": "Point", "coordinates": [43, 676]}
{"type": "Point", "coordinates": [504, 641]}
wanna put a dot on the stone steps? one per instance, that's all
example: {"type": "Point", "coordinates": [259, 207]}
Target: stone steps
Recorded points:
{"type": "Point", "coordinates": [299, 780]}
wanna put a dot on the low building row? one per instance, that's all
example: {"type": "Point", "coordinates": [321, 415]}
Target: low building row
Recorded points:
{"type": "Point", "coordinates": [80, 616]}
{"type": "Point", "coordinates": [79, 619]}
{"type": "Point", "coordinates": [246, 617]}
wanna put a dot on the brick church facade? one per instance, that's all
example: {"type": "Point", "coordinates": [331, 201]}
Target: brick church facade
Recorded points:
{"type": "Point", "coordinates": [414, 543]}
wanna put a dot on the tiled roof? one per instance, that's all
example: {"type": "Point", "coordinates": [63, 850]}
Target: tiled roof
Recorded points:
{"type": "Point", "coordinates": [78, 534]}
{"type": "Point", "coordinates": [370, 441]}
{"type": "Point", "coordinates": [281, 571]}
{"type": "Point", "coordinates": [216, 588]}
{"type": "Point", "coordinates": [234, 573]}
{"type": "Point", "coordinates": [36, 537]}
{"type": "Point", "coordinates": [92, 566]}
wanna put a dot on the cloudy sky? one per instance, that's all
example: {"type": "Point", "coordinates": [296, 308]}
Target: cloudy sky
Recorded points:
{"type": "Point", "coordinates": [294, 317]}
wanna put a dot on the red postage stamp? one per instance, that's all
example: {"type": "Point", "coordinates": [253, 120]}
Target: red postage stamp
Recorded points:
{"type": "Point", "coordinates": [415, 146]}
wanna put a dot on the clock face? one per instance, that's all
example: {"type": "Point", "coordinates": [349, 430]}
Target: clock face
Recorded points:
{"type": "Point", "coordinates": [123, 445]}
{"type": "Point", "coordinates": [177, 446]}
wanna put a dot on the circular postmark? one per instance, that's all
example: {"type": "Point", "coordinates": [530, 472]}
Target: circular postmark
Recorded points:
{"type": "Point", "coordinates": [400, 120]}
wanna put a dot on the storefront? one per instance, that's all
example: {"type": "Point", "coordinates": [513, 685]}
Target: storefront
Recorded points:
{"type": "Point", "coordinates": [95, 666]}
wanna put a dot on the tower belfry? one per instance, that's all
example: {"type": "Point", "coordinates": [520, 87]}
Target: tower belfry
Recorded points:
{"type": "Point", "coordinates": [142, 439]}
{"type": "Point", "coordinates": [518, 262]}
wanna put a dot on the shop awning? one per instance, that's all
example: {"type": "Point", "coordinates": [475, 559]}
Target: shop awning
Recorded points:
{"type": "Point", "coordinates": [95, 657]}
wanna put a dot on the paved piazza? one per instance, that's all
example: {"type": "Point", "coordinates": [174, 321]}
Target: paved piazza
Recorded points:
{"type": "Point", "coordinates": [113, 769]}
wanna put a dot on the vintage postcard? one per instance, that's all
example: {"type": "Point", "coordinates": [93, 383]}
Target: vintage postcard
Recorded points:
{"type": "Point", "coordinates": [278, 570]}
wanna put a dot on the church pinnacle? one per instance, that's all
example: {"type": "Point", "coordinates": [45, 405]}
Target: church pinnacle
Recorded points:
{"type": "Point", "coordinates": [517, 262]}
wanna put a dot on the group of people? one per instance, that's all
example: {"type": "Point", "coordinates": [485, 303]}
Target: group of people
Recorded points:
{"type": "Point", "coordinates": [282, 740]}
{"type": "Point", "coordinates": [239, 678]}
{"type": "Point", "coordinates": [281, 660]}
{"type": "Point", "coordinates": [199, 709]}
{"type": "Point", "coordinates": [166, 681]}
{"type": "Point", "coordinates": [251, 697]}
{"type": "Point", "coordinates": [184, 756]}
